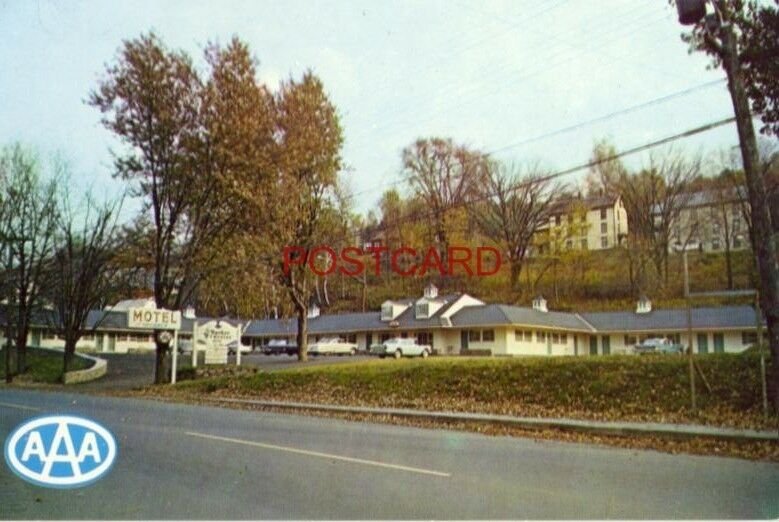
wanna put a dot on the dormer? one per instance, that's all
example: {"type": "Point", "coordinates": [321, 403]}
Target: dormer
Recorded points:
{"type": "Point", "coordinates": [539, 304]}
{"type": "Point", "coordinates": [391, 310]}
{"type": "Point", "coordinates": [431, 291]}
{"type": "Point", "coordinates": [644, 305]}
{"type": "Point", "coordinates": [426, 307]}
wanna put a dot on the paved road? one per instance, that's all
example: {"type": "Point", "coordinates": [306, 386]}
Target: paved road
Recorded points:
{"type": "Point", "coordinates": [133, 370]}
{"type": "Point", "coordinates": [180, 461]}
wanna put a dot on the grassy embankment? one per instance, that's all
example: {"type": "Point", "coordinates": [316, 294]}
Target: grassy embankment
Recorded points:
{"type": "Point", "coordinates": [44, 366]}
{"type": "Point", "coordinates": [646, 388]}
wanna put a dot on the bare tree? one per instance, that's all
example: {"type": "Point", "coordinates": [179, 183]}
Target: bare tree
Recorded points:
{"type": "Point", "coordinates": [30, 220]}
{"type": "Point", "coordinates": [515, 205]}
{"type": "Point", "coordinates": [82, 268]}
{"type": "Point", "coordinates": [445, 176]}
{"type": "Point", "coordinates": [654, 199]}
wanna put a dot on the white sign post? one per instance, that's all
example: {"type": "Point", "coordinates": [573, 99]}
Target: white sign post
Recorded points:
{"type": "Point", "coordinates": [158, 319]}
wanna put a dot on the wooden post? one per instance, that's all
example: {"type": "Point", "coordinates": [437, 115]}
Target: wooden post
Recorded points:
{"type": "Point", "coordinates": [759, 325]}
{"type": "Point", "coordinates": [689, 332]}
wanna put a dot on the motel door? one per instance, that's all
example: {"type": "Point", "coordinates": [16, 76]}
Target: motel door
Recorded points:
{"type": "Point", "coordinates": [593, 345]}
{"type": "Point", "coordinates": [464, 340]}
{"type": "Point", "coordinates": [703, 343]}
{"type": "Point", "coordinates": [606, 343]}
{"type": "Point", "coordinates": [368, 341]}
{"type": "Point", "coordinates": [719, 343]}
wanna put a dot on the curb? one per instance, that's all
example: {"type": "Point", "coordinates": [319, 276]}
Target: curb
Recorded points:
{"type": "Point", "coordinates": [94, 372]}
{"type": "Point", "coordinates": [683, 431]}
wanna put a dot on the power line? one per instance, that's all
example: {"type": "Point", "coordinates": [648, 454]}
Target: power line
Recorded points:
{"type": "Point", "coordinates": [549, 177]}
{"type": "Point", "coordinates": [570, 128]}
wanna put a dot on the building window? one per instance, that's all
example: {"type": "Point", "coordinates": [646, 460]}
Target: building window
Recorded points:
{"type": "Point", "coordinates": [748, 337]}
{"type": "Point", "coordinates": [630, 340]}
{"type": "Point", "coordinates": [423, 309]}
{"type": "Point", "coordinates": [555, 338]}
{"type": "Point", "coordinates": [474, 336]}
{"type": "Point", "coordinates": [351, 338]}
{"type": "Point", "coordinates": [604, 242]}
{"type": "Point", "coordinates": [541, 337]}
{"type": "Point", "coordinates": [604, 228]}
{"type": "Point", "coordinates": [563, 338]}
{"type": "Point", "coordinates": [603, 213]}
{"type": "Point", "coordinates": [386, 312]}
{"type": "Point", "coordinates": [488, 335]}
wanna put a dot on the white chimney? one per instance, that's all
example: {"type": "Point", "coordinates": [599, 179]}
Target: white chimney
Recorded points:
{"type": "Point", "coordinates": [539, 304]}
{"type": "Point", "coordinates": [313, 311]}
{"type": "Point", "coordinates": [189, 312]}
{"type": "Point", "coordinates": [644, 305]}
{"type": "Point", "coordinates": [431, 291]}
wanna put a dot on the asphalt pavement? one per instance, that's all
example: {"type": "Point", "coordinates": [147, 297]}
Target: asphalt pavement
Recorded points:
{"type": "Point", "coordinates": [135, 370]}
{"type": "Point", "coordinates": [181, 461]}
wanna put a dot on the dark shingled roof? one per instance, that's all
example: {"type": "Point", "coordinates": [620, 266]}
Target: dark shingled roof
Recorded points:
{"type": "Point", "coordinates": [675, 319]}
{"type": "Point", "coordinates": [496, 314]}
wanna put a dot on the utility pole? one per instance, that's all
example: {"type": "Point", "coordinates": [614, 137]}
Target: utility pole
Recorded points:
{"type": "Point", "coordinates": [720, 35]}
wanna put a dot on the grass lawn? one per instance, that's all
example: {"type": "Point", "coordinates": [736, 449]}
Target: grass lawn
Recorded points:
{"type": "Point", "coordinates": [44, 366]}
{"type": "Point", "coordinates": [645, 388]}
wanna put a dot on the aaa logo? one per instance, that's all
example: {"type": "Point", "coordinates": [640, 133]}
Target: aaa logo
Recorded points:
{"type": "Point", "coordinates": [60, 451]}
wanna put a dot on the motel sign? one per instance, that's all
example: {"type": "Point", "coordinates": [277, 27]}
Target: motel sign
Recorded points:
{"type": "Point", "coordinates": [154, 319]}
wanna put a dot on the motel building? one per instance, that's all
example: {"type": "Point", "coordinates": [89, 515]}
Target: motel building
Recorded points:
{"type": "Point", "coordinates": [453, 324]}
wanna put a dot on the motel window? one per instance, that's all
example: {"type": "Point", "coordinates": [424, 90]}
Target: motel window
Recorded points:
{"type": "Point", "coordinates": [488, 335]}
{"type": "Point", "coordinates": [604, 227]}
{"type": "Point", "coordinates": [603, 213]}
{"type": "Point", "coordinates": [748, 337]}
{"type": "Point", "coordinates": [474, 336]}
{"type": "Point", "coordinates": [518, 335]}
{"type": "Point", "coordinates": [385, 336]}
{"type": "Point", "coordinates": [386, 312]}
{"type": "Point", "coordinates": [351, 338]}
{"type": "Point", "coordinates": [555, 338]}
{"type": "Point", "coordinates": [604, 242]}
{"type": "Point", "coordinates": [423, 309]}
{"type": "Point", "coordinates": [563, 338]}
{"type": "Point", "coordinates": [523, 335]}
{"type": "Point", "coordinates": [541, 337]}
{"type": "Point", "coordinates": [630, 340]}
{"type": "Point", "coordinates": [403, 335]}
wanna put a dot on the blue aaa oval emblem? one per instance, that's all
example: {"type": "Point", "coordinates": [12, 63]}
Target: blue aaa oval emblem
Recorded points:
{"type": "Point", "coordinates": [60, 451]}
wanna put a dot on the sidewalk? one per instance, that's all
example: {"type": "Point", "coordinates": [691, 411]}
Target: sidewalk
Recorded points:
{"type": "Point", "coordinates": [590, 426]}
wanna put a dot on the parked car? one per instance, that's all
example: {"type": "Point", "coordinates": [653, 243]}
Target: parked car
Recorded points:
{"type": "Point", "coordinates": [185, 346]}
{"type": "Point", "coordinates": [658, 345]}
{"type": "Point", "coordinates": [279, 347]}
{"type": "Point", "coordinates": [245, 348]}
{"type": "Point", "coordinates": [398, 347]}
{"type": "Point", "coordinates": [332, 346]}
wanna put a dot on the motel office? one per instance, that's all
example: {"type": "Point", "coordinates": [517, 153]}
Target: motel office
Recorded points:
{"type": "Point", "coordinates": [456, 324]}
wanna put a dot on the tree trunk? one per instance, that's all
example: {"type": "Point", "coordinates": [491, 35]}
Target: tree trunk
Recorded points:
{"type": "Point", "coordinates": [515, 271]}
{"type": "Point", "coordinates": [763, 243]}
{"type": "Point", "coordinates": [302, 333]}
{"type": "Point", "coordinates": [67, 358]}
{"type": "Point", "coordinates": [729, 267]}
{"type": "Point", "coordinates": [160, 363]}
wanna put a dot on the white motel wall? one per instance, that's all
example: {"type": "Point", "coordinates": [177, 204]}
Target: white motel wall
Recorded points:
{"type": "Point", "coordinates": [460, 324]}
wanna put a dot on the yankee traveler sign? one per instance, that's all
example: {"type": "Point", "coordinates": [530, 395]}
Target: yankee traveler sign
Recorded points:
{"type": "Point", "coordinates": [153, 319]}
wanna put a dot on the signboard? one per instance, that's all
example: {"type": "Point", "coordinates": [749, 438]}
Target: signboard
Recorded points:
{"type": "Point", "coordinates": [153, 319]}
{"type": "Point", "coordinates": [213, 338]}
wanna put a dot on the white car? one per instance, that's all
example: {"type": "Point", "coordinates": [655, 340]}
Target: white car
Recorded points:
{"type": "Point", "coordinates": [399, 347]}
{"type": "Point", "coordinates": [245, 348]}
{"type": "Point", "coordinates": [332, 346]}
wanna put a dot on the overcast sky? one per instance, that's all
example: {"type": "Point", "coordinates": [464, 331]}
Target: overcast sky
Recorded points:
{"type": "Point", "coordinates": [492, 75]}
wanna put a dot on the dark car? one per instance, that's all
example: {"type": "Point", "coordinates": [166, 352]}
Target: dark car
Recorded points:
{"type": "Point", "coordinates": [279, 347]}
